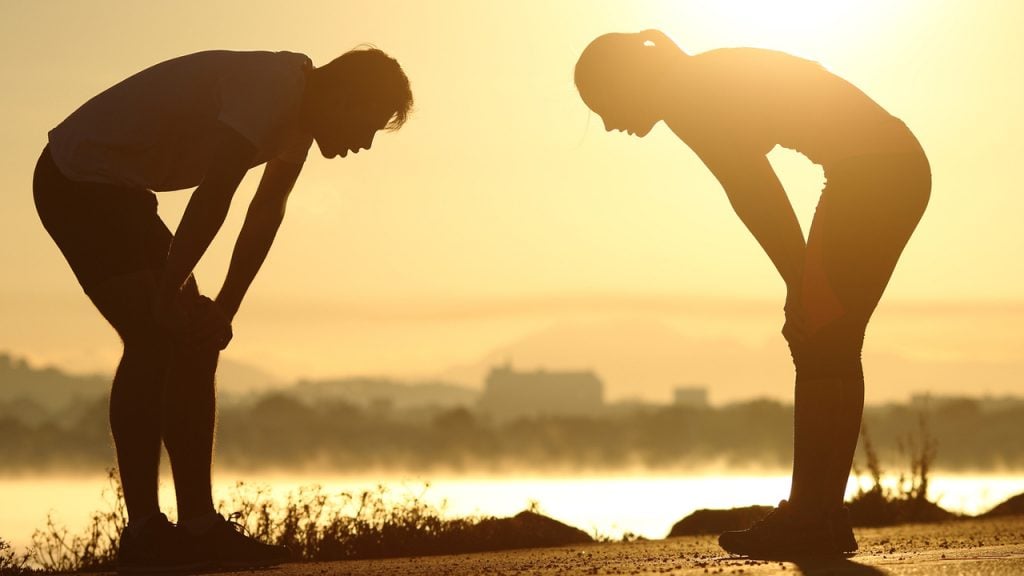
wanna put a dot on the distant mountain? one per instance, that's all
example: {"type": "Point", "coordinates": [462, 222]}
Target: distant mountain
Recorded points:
{"type": "Point", "coordinates": [24, 387]}
{"type": "Point", "coordinates": [370, 392]}
{"type": "Point", "coordinates": [48, 388]}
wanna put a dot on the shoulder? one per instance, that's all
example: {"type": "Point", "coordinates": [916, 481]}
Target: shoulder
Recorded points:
{"type": "Point", "coordinates": [261, 64]}
{"type": "Point", "coordinates": [260, 95]}
{"type": "Point", "coordinates": [278, 77]}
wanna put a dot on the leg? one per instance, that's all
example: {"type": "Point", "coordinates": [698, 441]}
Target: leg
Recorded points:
{"type": "Point", "coordinates": [160, 391]}
{"type": "Point", "coordinates": [188, 425]}
{"type": "Point", "coordinates": [828, 403]}
{"type": "Point", "coordinates": [863, 222]}
{"type": "Point", "coordinates": [135, 397]}
{"type": "Point", "coordinates": [116, 244]}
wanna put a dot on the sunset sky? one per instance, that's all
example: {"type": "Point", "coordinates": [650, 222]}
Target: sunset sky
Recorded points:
{"type": "Point", "coordinates": [502, 215]}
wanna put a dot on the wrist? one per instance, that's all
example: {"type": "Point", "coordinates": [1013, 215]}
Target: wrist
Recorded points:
{"type": "Point", "coordinates": [227, 306]}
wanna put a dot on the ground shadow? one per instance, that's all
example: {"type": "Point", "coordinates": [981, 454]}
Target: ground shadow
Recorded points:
{"type": "Point", "coordinates": [823, 566]}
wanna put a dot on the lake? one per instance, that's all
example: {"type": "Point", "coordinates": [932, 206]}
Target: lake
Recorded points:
{"type": "Point", "coordinates": [606, 505]}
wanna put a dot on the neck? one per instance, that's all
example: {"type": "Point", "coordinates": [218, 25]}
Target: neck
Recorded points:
{"type": "Point", "coordinates": [677, 88]}
{"type": "Point", "coordinates": [309, 94]}
{"type": "Point", "coordinates": [668, 87]}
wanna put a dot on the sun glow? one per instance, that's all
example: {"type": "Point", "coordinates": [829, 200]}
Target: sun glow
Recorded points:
{"type": "Point", "coordinates": [796, 26]}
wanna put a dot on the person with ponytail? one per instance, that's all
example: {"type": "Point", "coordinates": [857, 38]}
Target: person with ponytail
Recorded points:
{"type": "Point", "coordinates": [731, 107]}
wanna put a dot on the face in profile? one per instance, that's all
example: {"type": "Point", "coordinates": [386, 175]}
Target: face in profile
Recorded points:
{"type": "Point", "coordinates": [633, 122]}
{"type": "Point", "coordinates": [348, 127]}
{"type": "Point", "coordinates": [620, 109]}
{"type": "Point", "coordinates": [619, 77]}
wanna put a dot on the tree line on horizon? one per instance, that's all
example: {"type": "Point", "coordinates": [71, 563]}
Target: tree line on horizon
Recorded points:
{"type": "Point", "coordinates": [281, 431]}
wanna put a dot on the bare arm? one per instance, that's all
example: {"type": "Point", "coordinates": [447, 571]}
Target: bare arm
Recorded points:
{"type": "Point", "coordinates": [258, 232]}
{"type": "Point", "coordinates": [761, 202]}
{"type": "Point", "coordinates": [204, 214]}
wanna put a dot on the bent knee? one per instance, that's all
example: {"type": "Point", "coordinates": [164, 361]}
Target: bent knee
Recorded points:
{"type": "Point", "coordinates": [833, 350]}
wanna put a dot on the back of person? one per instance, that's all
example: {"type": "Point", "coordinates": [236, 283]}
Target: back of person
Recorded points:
{"type": "Point", "coordinates": [771, 98]}
{"type": "Point", "coordinates": [153, 129]}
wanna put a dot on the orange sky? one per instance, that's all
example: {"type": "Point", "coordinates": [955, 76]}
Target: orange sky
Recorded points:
{"type": "Point", "coordinates": [503, 209]}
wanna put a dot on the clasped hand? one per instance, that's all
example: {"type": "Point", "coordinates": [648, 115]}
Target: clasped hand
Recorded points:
{"type": "Point", "coordinates": [196, 323]}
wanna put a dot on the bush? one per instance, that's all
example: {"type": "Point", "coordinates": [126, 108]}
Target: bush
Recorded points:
{"type": "Point", "coordinates": [908, 501]}
{"type": "Point", "coordinates": [54, 549]}
{"type": "Point", "coordinates": [313, 525]}
{"type": "Point", "coordinates": [11, 563]}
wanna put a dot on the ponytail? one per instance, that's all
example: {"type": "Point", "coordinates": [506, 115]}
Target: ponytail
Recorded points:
{"type": "Point", "coordinates": [657, 39]}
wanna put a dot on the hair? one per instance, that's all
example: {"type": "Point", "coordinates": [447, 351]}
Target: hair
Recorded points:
{"type": "Point", "coordinates": [616, 60]}
{"type": "Point", "coordinates": [378, 78]}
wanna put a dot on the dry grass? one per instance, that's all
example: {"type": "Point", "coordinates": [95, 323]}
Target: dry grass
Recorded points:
{"type": "Point", "coordinates": [312, 524]}
{"type": "Point", "coordinates": [880, 505]}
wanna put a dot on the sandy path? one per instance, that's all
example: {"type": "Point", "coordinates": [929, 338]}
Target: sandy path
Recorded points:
{"type": "Point", "coordinates": [968, 547]}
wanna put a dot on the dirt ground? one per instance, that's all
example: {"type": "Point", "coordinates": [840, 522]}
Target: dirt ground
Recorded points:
{"type": "Point", "coordinates": [968, 547]}
{"type": "Point", "coordinates": [964, 547]}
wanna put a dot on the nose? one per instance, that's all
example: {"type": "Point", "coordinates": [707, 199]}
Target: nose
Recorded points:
{"type": "Point", "coordinates": [609, 128]}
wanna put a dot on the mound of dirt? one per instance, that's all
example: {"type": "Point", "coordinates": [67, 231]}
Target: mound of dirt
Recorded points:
{"type": "Point", "coordinates": [716, 521]}
{"type": "Point", "coordinates": [1011, 507]}
{"type": "Point", "coordinates": [525, 530]}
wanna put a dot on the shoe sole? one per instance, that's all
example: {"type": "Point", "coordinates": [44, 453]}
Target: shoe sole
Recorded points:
{"type": "Point", "coordinates": [793, 555]}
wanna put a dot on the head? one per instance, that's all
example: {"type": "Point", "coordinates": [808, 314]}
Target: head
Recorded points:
{"type": "Point", "coordinates": [352, 97]}
{"type": "Point", "coordinates": [622, 78]}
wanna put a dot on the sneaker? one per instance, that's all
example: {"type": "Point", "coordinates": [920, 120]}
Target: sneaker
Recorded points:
{"type": "Point", "coordinates": [782, 534]}
{"type": "Point", "coordinates": [159, 547]}
{"type": "Point", "coordinates": [226, 544]}
{"type": "Point", "coordinates": [842, 531]}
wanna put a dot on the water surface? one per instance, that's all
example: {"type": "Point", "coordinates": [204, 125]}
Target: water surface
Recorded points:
{"type": "Point", "coordinates": [608, 505]}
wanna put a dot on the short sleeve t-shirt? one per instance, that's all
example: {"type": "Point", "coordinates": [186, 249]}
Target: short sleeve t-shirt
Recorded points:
{"type": "Point", "coordinates": [153, 129]}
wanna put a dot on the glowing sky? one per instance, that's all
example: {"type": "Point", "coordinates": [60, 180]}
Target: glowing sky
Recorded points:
{"type": "Point", "coordinates": [502, 208]}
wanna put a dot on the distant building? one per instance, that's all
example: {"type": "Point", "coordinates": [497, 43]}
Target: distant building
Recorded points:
{"type": "Point", "coordinates": [509, 394]}
{"type": "Point", "coordinates": [690, 396]}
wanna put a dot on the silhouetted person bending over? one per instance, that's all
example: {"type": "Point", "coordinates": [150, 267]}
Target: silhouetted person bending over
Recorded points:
{"type": "Point", "coordinates": [201, 120]}
{"type": "Point", "coordinates": [732, 106]}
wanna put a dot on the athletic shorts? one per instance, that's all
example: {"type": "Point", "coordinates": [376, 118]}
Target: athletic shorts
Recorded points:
{"type": "Point", "coordinates": [103, 230]}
